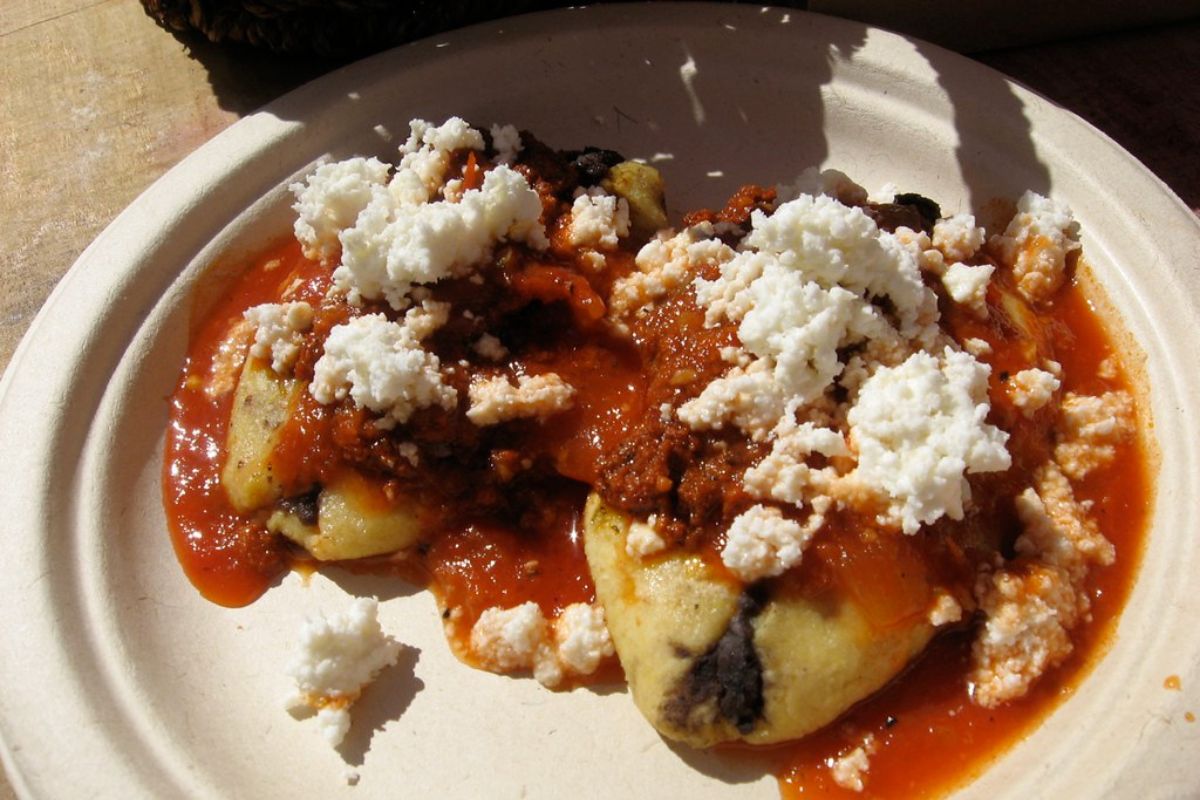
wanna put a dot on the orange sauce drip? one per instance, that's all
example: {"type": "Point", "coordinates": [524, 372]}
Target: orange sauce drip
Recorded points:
{"type": "Point", "coordinates": [486, 564]}
{"type": "Point", "coordinates": [229, 558]}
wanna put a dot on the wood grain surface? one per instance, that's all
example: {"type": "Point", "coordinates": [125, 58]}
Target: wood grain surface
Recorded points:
{"type": "Point", "coordinates": [98, 102]}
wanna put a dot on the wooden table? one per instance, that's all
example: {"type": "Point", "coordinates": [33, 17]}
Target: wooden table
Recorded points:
{"type": "Point", "coordinates": [98, 102]}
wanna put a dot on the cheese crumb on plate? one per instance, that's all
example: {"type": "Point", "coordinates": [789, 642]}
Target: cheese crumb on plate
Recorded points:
{"type": "Point", "coordinates": [338, 656]}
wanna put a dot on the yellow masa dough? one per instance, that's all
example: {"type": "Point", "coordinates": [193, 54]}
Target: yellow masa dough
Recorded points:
{"type": "Point", "coordinates": [709, 662]}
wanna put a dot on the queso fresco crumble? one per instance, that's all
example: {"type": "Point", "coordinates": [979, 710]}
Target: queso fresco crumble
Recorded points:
{"type": "Point", "coordinates": [806, 394]}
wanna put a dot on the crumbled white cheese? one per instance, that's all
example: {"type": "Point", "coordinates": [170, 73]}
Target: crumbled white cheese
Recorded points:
{"type": "Point", "coordinates": [1032, 389]}
{"type": "Point", "coordinates": [506, 140]}
{"type": "Point", "coordinates": [547, 669]}
{"type": "Point", "coordinates": [330, 200]}
{"type": "Point", "coordinates": [643, 540]}
{"type": "Point", "coordinates": [784, 474]}
{"type": "Point", "coordinates": [795, 332]}
{"type": "Point", "coordinates": [884, 194]}
{"type": "Point", "coordinates": [453, 134]}
{"type": "Point", "coordinates": [958, 237]}
{"type": "Point", "coordinates": [394, 246]}
{"type": "Point", "coordinates": [977, 347]}
{"type": "Point", "coordinates": [762, 543]}
{"type": "Point", "coordinates": [1030, 610]}
{"type": "Point", "coordinates": [945, 610]}
{"type": "Point", "coordinates": [381, 365]}
{"type": "Point", "coordinates": [746, 396]}
{"type": "Point", "coordinates": [338, 656]}
{"type": "Point", "coordinates": [277, 329]}
{"type": "Point", "coordinates": [801, 289]}
{"type": "Point", "coordinates": [1090, 428]}
{"type": "Point", "coordinates": [1032, 606]}
{"type": "Point", "coordinates": [425, 157]}
{"type": "Point", "coordinates": [665, 264]}
{"type": "Point", "coordinates": [598, 219]}
{"type": "Point", "coordinates": [453, 190]}
{"type": "Point", "coordinates": [511, 639]}
{"type": "Point", "coordinates": [333, 721]}
{"type": "Point", "coordinates": [1057, 530]}
{"type": "Point", "coordinates": [581, 638]}
{"type": "Point", "coordinates": [592, 260]}
{"type": "Point", "coordinates": [394, 234]}
{"type": "Point", "coordinates": [409, 452]}
{"type": "Point", "coordinates": [848, 771]}
{"type": "Point", "coordinates": [929, 258]}
{"type": "Point", "coordinates": [919, 428]}
{"type": "Point", "coordinates": [495, 400]}
{"type": "Point", "coordinates": [833, 245]}
{"type": "Point", "coordinates": [876, 353]}
{"type": "Point", "coordinates": [490, 348]}
{"type": "Point", "coordinates": [1036, 244]}
{"type": "Point", "coordinates": [735, 355]}
{"type": "Point", "coordinates": [967, 285]}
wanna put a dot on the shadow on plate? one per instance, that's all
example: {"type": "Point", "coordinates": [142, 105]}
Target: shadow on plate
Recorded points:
{"type": "Point", "coordinates": [382, 587]}
{"type": "Point", "coordinates": [384, 701]}
{"type": "Point", "coordinates": [745, 111]}
{"type": "Point", "coordinates": [741, 765]}
{"type": "Point", "coordinates": [992, 128]}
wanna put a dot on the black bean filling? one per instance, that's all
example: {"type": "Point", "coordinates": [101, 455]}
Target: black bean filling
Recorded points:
{"type": "Point", "coordinates": [729, 674]}
{"type": "Point", "coordinates": [593, 163]}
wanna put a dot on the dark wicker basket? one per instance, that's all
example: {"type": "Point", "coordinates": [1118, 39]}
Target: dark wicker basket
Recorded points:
{"type": "Point", "coordinates": [328, 28]}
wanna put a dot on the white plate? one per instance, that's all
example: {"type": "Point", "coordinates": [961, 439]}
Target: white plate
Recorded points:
{"type": "Point", "coordinates": [120, 681]}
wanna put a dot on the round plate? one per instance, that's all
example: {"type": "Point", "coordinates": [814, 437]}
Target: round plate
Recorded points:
{"type": "Point", "coordinates": [120, 681]}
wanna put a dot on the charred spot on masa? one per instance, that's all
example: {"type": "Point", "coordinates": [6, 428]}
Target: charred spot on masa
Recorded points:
{"type": "Point", "coordinates": [303, 507]}
{"type": "Point", "coordinates": [728, 675]}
